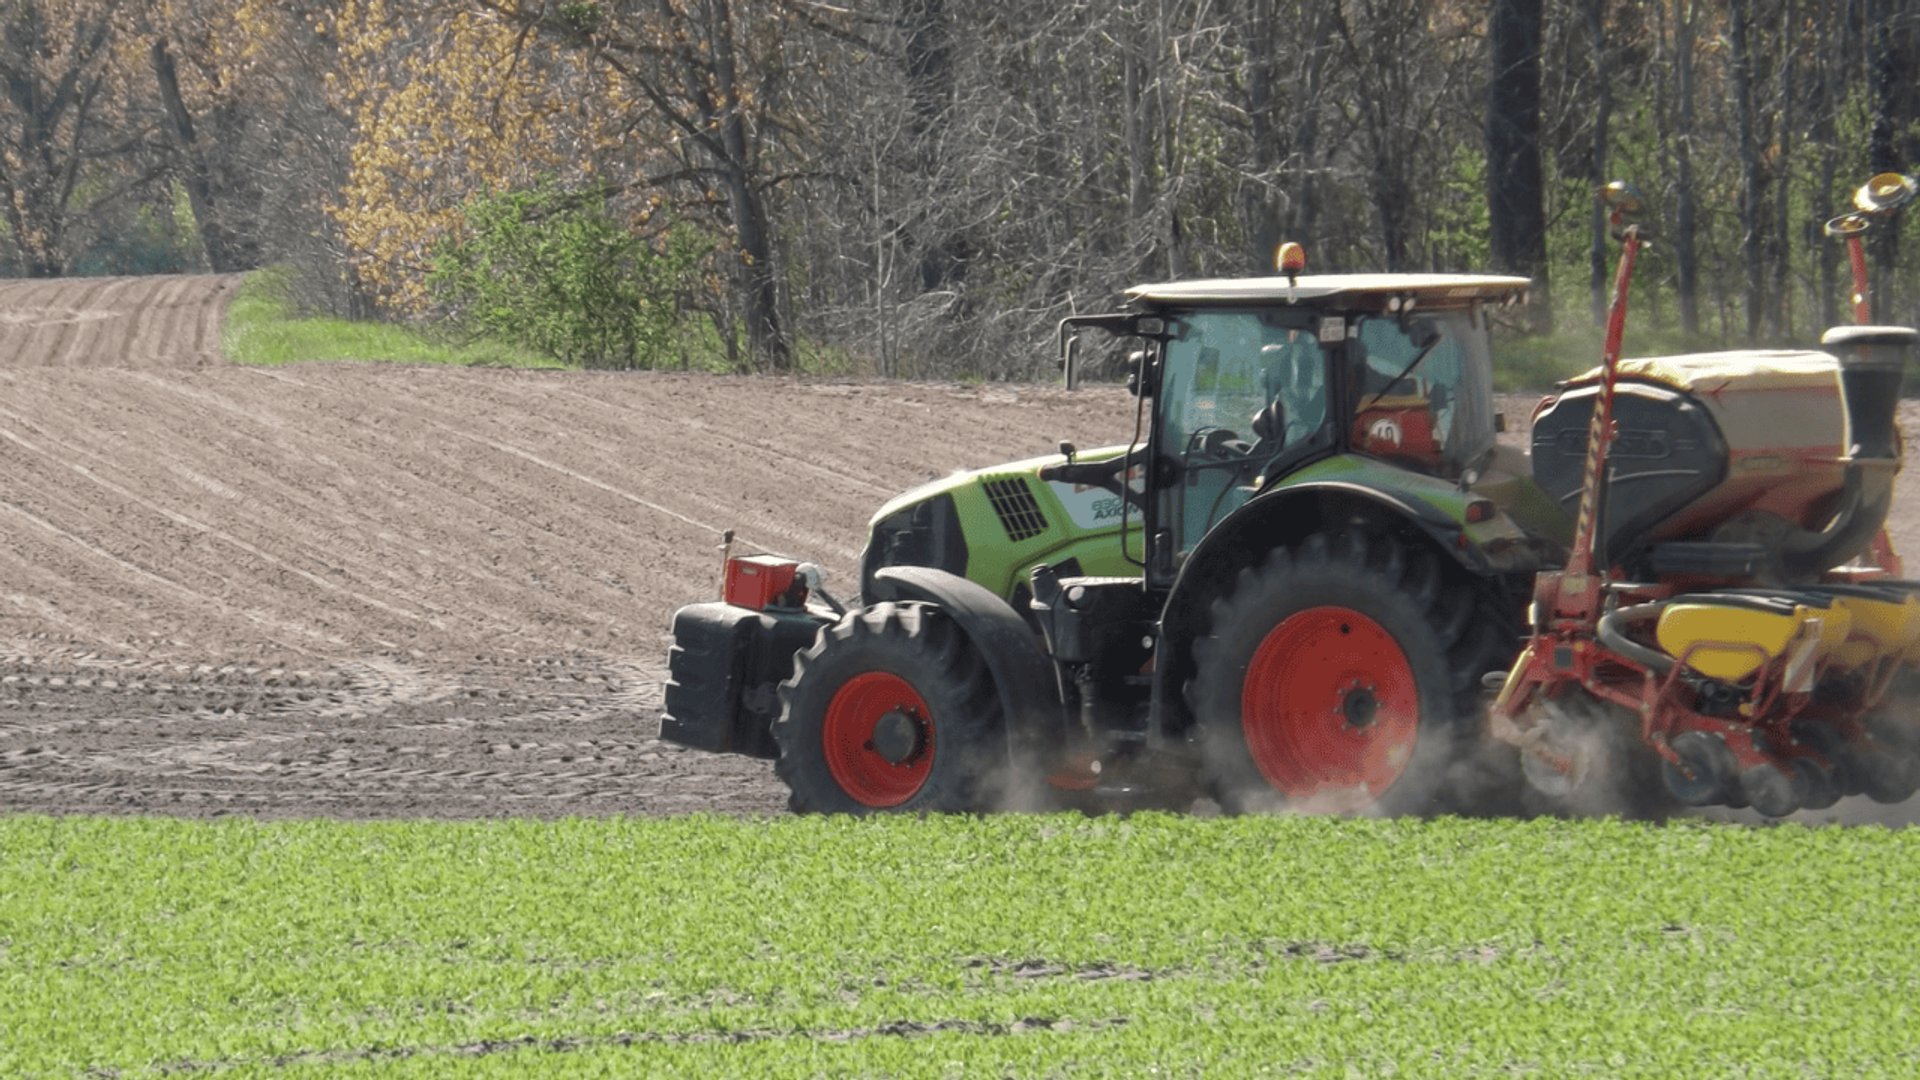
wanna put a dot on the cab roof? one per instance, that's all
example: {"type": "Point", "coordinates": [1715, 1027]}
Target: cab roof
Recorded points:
{"type": "Point", "coordinates": [1429, 290]}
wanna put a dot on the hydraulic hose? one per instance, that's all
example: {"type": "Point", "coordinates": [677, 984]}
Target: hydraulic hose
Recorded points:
{"type": "Point", "coordinates": [1809, 541]}
{"type": "Point", "coordinates": [1611, 632]}
{"type": "Point", "coordinates": [1863, 510]}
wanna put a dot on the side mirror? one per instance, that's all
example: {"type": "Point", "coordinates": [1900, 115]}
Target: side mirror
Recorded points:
{"type": "Point", "coordinates": [1118, 324]}
{"type": "Point", "coordinates": [1136, 369]}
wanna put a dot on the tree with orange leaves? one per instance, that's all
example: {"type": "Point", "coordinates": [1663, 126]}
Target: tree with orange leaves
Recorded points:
{"type": "Point", "coordinates": [706, 78]}
{"type": "Point", "coordinates": [444, 110]}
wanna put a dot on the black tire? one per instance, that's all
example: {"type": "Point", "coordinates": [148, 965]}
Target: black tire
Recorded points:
{"type": "Point", "coordinates": [1615, 772]}
{"type": "Point", "coordinates": [1399, 682]}
{"type": "Point", "coordinates": [891, 709]}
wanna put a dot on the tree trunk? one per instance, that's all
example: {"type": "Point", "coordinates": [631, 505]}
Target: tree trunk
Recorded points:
{"type": "Point", "coordinates": [747, 204]}
{"type": "Point", "coordinates": [1167, 109]}
{"type": "Point", "coordinates": [1686, 261]}
{"type": "Point", "coordinates": [1140, 156]}
{"type": "Point", "coordinates": [1752, 186]}
{"type": "Point", "coordinates": [226, 253]}
{"type": "Point", "coordinates": [927, 28]}
{"type": "Point", "coordinates": [1831, 92]}
{"type": "Point", "coordinates": [766, 334]}
{"type": "Point", "coordinates": [1305, 214]}
{"type": "Point", "coordinates": [1516, 204]}
{"type": "Point", "coordinates": [47, 125]}
{"type": "Point", "coordinates": [1597, 284]}
{"type": "Point", "coordinates": [1883, 155]}
{"type": "Point", "coordinates": [1779, 310]}
{"type": "Point", "coordinates": [1268, 148]}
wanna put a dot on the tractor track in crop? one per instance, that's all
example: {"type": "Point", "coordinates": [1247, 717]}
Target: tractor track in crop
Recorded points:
{"type": "Point", "coordinates": [359, 590]}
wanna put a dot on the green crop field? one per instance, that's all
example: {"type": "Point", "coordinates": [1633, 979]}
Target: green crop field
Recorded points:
{"type": "Point", "coordinates": [1019, 945]}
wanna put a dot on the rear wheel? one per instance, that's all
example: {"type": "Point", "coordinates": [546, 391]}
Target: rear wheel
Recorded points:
{"type": "Point", "coordinates": [1341, 675]}
{"type": "Point", "coordinates": [891, 709]}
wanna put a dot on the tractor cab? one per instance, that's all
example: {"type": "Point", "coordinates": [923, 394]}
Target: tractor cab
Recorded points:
{"type": "Point", "coordinates": [1253, 380]}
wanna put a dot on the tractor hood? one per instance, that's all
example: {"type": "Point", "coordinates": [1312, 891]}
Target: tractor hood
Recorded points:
{"type": "Point", "coordinates": [994, 525]}
{"type": "Point", "coordinates": [1078, 502]}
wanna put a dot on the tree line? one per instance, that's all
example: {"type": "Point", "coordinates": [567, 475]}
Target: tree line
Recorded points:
{"type": "Point", "coordinates": [924, 187]}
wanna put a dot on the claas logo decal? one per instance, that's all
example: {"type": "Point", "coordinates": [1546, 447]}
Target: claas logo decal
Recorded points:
{"type": "Point", "coordinates": [1093, 507]}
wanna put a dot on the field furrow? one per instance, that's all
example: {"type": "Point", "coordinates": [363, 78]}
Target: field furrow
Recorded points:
{"type": "Point", "coordinates": [373, 590]}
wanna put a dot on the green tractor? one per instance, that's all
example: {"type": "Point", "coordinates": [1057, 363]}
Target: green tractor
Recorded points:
{"type": "Point", "coordinates": [1287, 590]}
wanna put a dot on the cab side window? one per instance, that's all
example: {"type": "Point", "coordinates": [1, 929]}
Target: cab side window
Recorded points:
{"type": "Point", "coordinates": [1410, 378]}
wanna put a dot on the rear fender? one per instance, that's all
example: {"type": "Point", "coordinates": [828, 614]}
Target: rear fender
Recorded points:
{"type": "Point", "coordinates": [1023, 675]}
{"type": "Point", "coordinates": [1280, 518]}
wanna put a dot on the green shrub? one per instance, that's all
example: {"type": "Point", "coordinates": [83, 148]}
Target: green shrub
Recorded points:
{"type": "Point", "coordinates": [265, 326]}
{"type": "Point", "coordinates": [554, 271]}
{"type": "Point", "coordinates": [141, 239]}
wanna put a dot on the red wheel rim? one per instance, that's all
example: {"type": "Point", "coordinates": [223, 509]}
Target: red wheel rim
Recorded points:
{"type": "Point", "coordinates": [1330, 707]}
{"type": "Point", "coordinates": [847, 739]}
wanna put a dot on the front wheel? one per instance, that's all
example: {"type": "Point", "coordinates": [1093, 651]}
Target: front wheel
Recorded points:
{"type": "Point", "coordinates": [1339, 675]}
{"type": "Point", "coordinates": [892, 708]}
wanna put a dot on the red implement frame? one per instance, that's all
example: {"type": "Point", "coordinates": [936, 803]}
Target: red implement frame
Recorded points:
{"type": "Point", "coordinates": [1568, 604]}
{"type": "Point", "coordinates": [1566, 650]}
{"type": "Point", "coordinates": [1857, 259]}
{"type": "Point", "coordinates": [1578, 590]}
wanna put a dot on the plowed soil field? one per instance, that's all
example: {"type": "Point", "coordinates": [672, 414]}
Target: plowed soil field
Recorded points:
{"type": "Point", "coordinates": [367, 590]}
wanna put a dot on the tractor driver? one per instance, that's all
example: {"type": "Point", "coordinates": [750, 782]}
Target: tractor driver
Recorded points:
{"type": "Point", "coordinates": [1294, 375]}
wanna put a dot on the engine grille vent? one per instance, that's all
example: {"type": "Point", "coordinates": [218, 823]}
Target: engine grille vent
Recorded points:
{"type": "Point", "coordinates": [1013, 500]}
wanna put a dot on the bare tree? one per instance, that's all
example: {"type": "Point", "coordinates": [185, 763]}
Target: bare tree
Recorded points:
{"type": "Point", "coordinates": [1685, 221]}
{"type": "Point", "coordinates": [1753, 182]}
{"type": "Point", "coordinates": [54, 71]}
{"type": "Point", "coordinates": [710, 72]}
{"type": "Point", "coordinates": [1516, 196]}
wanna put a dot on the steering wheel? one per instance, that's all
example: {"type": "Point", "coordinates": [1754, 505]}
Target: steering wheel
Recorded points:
{"type": "Point", "coordinates": [1218, 442]}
